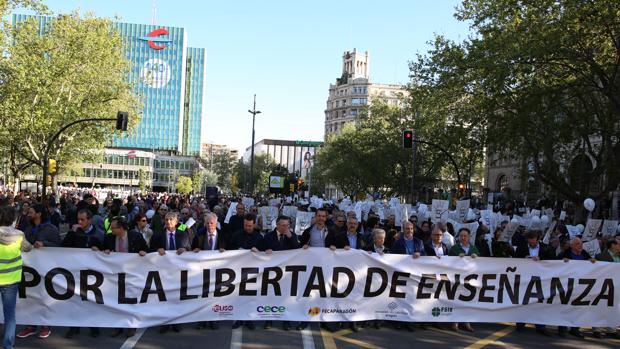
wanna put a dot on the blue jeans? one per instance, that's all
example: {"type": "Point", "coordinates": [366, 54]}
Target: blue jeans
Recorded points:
{"type": "Point", "coordinates": [9, 299]}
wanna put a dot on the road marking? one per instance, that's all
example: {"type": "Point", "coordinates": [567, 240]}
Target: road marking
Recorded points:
{"type": "Point", "coordinates": [306, 337]}
{"type": "Point", "coordinates": [475, 339]}
{"type": "Point", "coordinates": [131, 341]}
{"type": "Point", "coordinates": [236, 339]}
{"type": "Point", "coordinates": [492, 339]}
{"type": "Point", "coordinates": [328, 340]}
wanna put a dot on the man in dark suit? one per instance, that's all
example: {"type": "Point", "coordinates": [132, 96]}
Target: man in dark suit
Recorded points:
{"type": "Point", "coordinates": [318, 234]}
{"type": "Point", "coordinates": [348, 240]}
{"type": "Point", "coordinates": [535, 250]}
{"type": "Point", "coordinates": [351, 239]}
{"type": "Point", "coordinates": [123, 241]}
{"type": "Point", "coordinates": [170, 239]}
{"type": "Point", "coordinates": [280, 239]}
{"type": "Point", "coordinates": [435, 247]}
{"type": "Point", "coordinates": [209, 239]}
{"type": "Point", "coordinates": [408, 244]}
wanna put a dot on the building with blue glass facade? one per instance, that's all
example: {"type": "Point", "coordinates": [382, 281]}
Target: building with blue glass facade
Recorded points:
{"type": "Point", "coordinates": [169, 76]}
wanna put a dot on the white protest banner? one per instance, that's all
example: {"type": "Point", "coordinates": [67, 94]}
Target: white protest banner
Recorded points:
{"type": "Point", "coordinates": [247, 202]}
{"type": "Point", "coordinates": [593, 247]}
{"type": "Point", "coordinates": [303, 221]}
{"type": "Point", "coordinates": [562, 215]}
{"type": "Point", "coordinates": [488, 218]}
{"type": "Point", "coordinates": [290, 211]}
{"type": "Point", "coordinates": [401, 214]}
{"type": "Point", "coordinates": [422, 212]}
{"type": "Point", "coordinates": [591, 229]}
{"type": "Point", "coordinates": [462, 208]}
{"type": "Point", "coordinates": [549, 231]}
{"type": "Point", "coordinates": [508, 232]}
{"type": "Point", "coordinates": [85, 288]}
{"type": "Point", "coordinates": [269, 215]}
{"type": "Point", "coordinates": [231, 210]}
{"type": "Point", "coordinates": [358, 211]}
{"type": "Point", "coordinates": [609, 228]}
{"type": "Point", "coordinates": [439, 208]}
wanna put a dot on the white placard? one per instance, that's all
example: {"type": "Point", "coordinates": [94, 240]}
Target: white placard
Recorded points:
{"type": "Point", "coordinates": [303, 221]}
{"type": "Point", "coordinates": [462, 208]}
{"type": "Point", "coordinates": [439, 209]}
{"type": "Point", "coordinates": [591, 229]}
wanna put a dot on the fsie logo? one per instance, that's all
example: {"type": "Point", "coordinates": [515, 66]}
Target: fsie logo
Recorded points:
{"type": "Point", "coordinates": [155, 37]}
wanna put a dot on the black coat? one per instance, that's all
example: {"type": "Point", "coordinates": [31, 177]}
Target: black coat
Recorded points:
{"type": "Point", "coordinates": [330, 237]}
{"type": "Point", "coordinates": [159, 239]}
{"type": "Point", "coordinates": [243, 240]}
{"type": "Point", "coordinates": [371, 248]}
{"type": "Point", "coordinates": [430, 251]}
{"type": "Point", "coordinates": [199, 240]}
{"type": "Point", "coordinates": [544, 253]}
{"type": "Point", "coordinates": [79, 239]}
{"type": "Point", "coordinates": [342, 240]}
{"type": "Point", "coordinates": [135, 242]}
{"type": "Point", "coordinates": [271, 242]}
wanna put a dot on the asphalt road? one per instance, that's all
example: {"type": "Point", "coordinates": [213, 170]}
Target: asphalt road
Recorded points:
{"type": "Point", "coordinates": [485, 336]}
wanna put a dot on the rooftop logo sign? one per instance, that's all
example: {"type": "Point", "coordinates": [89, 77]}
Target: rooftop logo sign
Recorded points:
{"type": "Point", "coordinates": [155, 37]}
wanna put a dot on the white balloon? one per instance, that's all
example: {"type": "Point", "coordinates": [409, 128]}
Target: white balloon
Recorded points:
{"type": "Point", "coordinates": [545, 220]}
{"type": "Point", "coordinates": [580, 228]}
{"type": "Point", "coordinates": [589, 204]}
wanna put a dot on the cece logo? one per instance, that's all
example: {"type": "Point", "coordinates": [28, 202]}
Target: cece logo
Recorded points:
{"type": "Point", "coordinates": [270, 309]}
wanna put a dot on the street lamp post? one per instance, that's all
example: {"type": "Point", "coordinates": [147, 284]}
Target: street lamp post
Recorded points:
{"type": "Point", "coordinates": [253, 112]}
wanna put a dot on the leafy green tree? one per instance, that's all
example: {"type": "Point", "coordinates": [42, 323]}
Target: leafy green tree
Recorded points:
{"type": "Point", "coordinates": [223, 165]}
{"type": "Point", "coordinates": [263, 165]}
{"type": "Point", "coordinates": [210, 178]}
{"type": "Point", "coordinates": [537, 80]}
{"type": "Point", "coordinates": [73, 68]}
{"type": "Point", "coordinates": [141, 180]}
{"type": "Point", "coordinates": [184, 185]}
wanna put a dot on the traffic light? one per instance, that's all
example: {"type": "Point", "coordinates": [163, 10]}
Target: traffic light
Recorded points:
{"type": "Point", "coordinates": [300, 182]}
{"type": "Point", "coordinates": [461, 186]}
{"type": "Point", "coordinates": [51, 166]}
{"type": "Point", "coordinates": [407, 139]}
{"type": "Point", "coordinates": [122, 118]}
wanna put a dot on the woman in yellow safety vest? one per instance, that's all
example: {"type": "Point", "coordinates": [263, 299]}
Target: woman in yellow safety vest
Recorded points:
{"type": "Point", "coordinates": [12, 243]}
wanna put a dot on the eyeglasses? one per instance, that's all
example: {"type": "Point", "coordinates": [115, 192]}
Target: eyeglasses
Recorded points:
{"type": "Point", "coordinates": [143, 220]}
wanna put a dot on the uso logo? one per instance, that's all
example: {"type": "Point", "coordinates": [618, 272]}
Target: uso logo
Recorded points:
{"type": "Point", "coordinates": [222, 308]}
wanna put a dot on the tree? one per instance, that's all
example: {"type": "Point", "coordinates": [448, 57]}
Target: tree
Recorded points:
{"type": "Point", "coordinates": [141, 180]}
{"type": "Point", "coordinates": [540, 81]}
{"type": "Point", "coordinates": [223, 165]}
{"type": "Point", "coordinates": [210, 178]}
{"type": "Point", "coordinates": [74, 68]}
{"type": "Point", "coordinates": [184, 185]}
{"type": "Point", "coordinates": [197, 182]}
{"type": "Point", "coordinates": [263, 165]}
{"type": "Point", "coordinates": [369, 157]}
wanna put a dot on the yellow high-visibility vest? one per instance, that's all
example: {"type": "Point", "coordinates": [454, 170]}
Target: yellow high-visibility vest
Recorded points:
{"type": "Point", "coordinates": [11, 262]}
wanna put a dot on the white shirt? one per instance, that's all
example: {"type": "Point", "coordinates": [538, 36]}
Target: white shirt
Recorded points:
{"type": "Point", "coordinates": [174, 235]}
{"type": "Point", "coordinates": [438, 249]}
{"type": "Point", "coordinates": [213, 243]}
{"type": "Point", "coordinates": [534, 251]}
{"type": "Point", "coordinates": [466, 249]}
{"type": "Point", "coordinates": [317, 236]}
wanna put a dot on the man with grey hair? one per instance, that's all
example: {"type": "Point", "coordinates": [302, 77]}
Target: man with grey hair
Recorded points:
{"type": "Point", "coordinates": [209, 238]}
{"type": "Point", "coordinates": [171, 239]}
{"type": "Point", "coordinates": [378, 242]}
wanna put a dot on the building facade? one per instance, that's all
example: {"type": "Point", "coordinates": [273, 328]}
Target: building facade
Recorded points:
{"type": "Point", "coordinates": [296, 156]}
{"type": "Point", "coordinates": [170, 78]}
{"type": "Point", "coordinates": [353, 91]}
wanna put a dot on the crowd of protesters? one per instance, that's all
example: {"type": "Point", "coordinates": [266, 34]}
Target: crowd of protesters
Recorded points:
{"type": "Point", "coordinates": [159, 222]}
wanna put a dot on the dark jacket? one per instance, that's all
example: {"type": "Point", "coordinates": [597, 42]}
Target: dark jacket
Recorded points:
{"type": "Point", "coordinates": [567, 254]}
{"type": "Point", "coordinates": [44, 232]}
{"type": "Point", "coordinates": [234, 224]}
{"type": "Point", "coordinates": [400, 247]}
{"type": "Point", "coordinates": [604, 256]}
{"type": "Point", "coordinates": [199, 240]}
{"type": "Point", "coordinates": [342, 240]}
{"type": "Point", "coordinates": [79, 239]}
{"type": "Point", "coordinates": [430, 251]}
{"type": "Point", "coordinates": [371, 248]}
{"type": "Point", "coordinates": [270, 242]}
{"type": "Point", "coordinates": [457, 250]}
{"type": "Point", "coordinates": [243, 240]}
{"type": "Point", "coordinates": [501, 249]}
{"type": "Point", "coordinates": [544, 253]}
{"type": "Point", "coordinates": [330, 237]}
{"type": "Point", "coordinates": [135, 242]}
{"type": "Point", "coordinates": [181, 240]}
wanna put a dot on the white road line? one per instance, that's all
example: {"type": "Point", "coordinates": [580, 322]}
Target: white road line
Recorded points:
{"type": "Point", "coordinates": [236, 339]}
{"type": "Point", "coordinates": [306, 337]}
{"type": "Point", "coordinates": [131, 341]}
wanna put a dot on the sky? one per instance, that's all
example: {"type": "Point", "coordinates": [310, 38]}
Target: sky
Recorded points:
{"type": "Point", "coordinates": [286, 52]}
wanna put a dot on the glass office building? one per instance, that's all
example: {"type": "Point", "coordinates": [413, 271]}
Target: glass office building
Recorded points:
{"type": "Point", "coordinates": [169, 77]}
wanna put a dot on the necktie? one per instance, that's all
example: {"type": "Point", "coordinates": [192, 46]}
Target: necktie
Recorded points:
{"type": "Point", "coordinates": [171, 244]}
{"type": "Point", "coordinates": [281, 238]}
{"type": "Point", "coordinates": [211, 241]}
{"type": "Point", "coordinates": [121, 245]}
